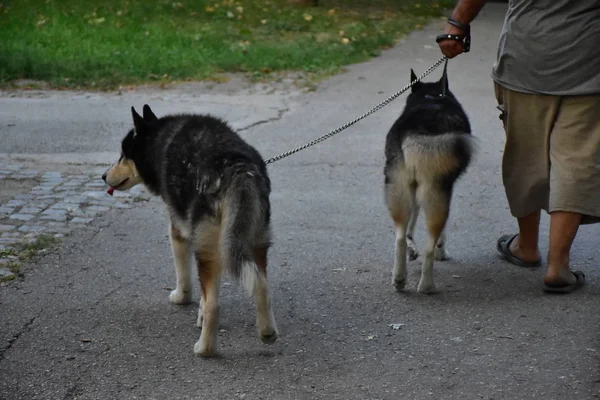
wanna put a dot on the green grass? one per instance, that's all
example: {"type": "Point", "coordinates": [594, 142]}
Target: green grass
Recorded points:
{"type": "Point", "coordinates": [24, 252]}
{"type": "Point", "coordinates": [15, 268]}
{"type": "Point", "coordinates": [10, 252]}
{"type": "Point", "coordinates": [28, 250]}
{"type": "Point", "coordinates": [86, 44]}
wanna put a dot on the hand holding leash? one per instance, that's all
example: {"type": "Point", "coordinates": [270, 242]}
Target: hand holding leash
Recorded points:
{"type": "Point", "coordinates": [456, 39]}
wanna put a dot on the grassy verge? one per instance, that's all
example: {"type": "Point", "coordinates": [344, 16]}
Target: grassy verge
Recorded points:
{"type": "Point", "coordinates": [104, 44]}
{"type": "Point", "coordinates": [24, 252]}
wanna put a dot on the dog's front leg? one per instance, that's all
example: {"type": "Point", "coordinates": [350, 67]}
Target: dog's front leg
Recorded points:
{"type": "Point", "coordinates": [413, 253]}
{"type": "Point", "coordinates": [183, 259]}
{"type": "Point", "coordinates": [440, 253]}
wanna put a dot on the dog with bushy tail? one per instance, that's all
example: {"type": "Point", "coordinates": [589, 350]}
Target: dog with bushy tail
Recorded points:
{"type": "Point", "coordinates": [216, 189]}
{"type": "Point", "coordinates": [427, 149]}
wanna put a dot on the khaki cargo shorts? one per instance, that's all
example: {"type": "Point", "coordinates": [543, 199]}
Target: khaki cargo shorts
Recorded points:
{"type": "Point", "coordinates": [551, 158]}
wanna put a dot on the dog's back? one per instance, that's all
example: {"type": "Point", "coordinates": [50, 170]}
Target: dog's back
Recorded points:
{"type": "Point", "coordinates": [427, 149]}
{"type": "Point", "coordinates": [431, 140]}
{"type": "Point", "coordinates": [198, 157]}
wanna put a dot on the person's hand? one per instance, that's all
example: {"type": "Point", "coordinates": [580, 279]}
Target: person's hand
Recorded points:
{"type": "Point", "coordinates": [450, 47]}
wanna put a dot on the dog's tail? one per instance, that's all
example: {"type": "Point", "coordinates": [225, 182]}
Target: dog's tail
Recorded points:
{"type": "Point", "coordinates": [243, 220]}
{"type": "Point", "coordinates": [439, 155]}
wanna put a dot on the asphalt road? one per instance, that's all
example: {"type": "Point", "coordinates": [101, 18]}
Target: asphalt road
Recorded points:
{"type": "Point", "coordinates": [92, 321]}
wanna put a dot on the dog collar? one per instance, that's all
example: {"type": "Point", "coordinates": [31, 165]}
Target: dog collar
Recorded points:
{"type": "Point", "coordinates": [440, 96]}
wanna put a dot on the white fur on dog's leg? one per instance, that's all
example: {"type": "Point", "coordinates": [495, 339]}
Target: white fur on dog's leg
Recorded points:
{"type": "Point", "coordinates": [426, 284]}
{"type": "Point", "coordinates": [180, 296]}
{"type": "Point", "coordinates": [183, 260]}
{"type": "Point", "coordinates": [399, 272]}
{"type": "Point", "coordinates": [440, 253]}
{"type": "Point", "coordinates": [265, 320]}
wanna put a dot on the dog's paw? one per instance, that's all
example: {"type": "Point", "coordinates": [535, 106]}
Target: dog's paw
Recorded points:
{"type": "Point", "coordinates": [399, 283]}
{"type": "Point", "coordinates": [440, 253]}
{"type": "Point", "coordinates": [180, 297]}
{"type": "Point", "coordinates": [426, 288]}
{"type": "Point", "coordinates": [413, 253]}
{"type": "Point", "coordinates": [206, 350]}
{"type": "Point", "coordinates": [269, 336]}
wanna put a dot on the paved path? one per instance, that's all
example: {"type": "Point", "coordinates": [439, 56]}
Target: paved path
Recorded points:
{"type": "Point", "coordinates": [54, 207]}
{"type": "Point", "coordinates": [92, 321]}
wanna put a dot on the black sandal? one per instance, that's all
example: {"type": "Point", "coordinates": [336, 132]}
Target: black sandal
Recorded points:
{"type": "Point", "coordinates": [503, 247]}
{"type": "Point", "coordinates": [566, 287]}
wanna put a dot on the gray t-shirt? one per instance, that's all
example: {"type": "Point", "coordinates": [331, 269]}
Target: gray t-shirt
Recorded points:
{"type": "Point", "coordinates": [550, 47]}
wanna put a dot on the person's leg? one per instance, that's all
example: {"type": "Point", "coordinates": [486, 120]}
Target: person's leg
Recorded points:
{"type": "Point", "coordinates": [527, 120]}
{"type": "Point", "coordinates": [525, 245]}
{"type": "Point", "coordinates": [574, 183]}
{"type": "Point", "coordinates": [563, 229]}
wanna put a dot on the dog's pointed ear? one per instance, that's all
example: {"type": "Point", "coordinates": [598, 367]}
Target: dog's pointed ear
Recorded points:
{"type": "Point", "coordinates": [444, 79]}
{"type": "Point", "coordinates": [140, 125]}
{"type": "Point", "coordinates": [413, 78]}
{"type": "Point", "coordinates": [148, 114]}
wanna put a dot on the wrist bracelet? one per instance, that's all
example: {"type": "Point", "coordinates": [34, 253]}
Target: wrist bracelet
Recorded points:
{"type": "Point", "coordinates": [466, 40]}
{"type": "Point", "coordinates": [465, 28]}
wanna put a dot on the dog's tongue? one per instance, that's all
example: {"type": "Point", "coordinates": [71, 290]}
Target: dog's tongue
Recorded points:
{"type": "Point", "coordinates": [110, 190]}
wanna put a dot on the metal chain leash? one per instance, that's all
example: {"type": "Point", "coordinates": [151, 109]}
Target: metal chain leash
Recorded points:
{"type": "Point", "coordinates": [371, 111]}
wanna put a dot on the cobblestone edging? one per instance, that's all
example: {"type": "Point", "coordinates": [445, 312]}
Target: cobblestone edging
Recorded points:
{"type": "Point", "coordinates": [58, 205]}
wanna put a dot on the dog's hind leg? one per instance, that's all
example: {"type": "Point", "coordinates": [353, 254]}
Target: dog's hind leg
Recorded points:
{"type": "Point", "coordinates": [265, 320]}
{"type": "Point", "coordinates": [413, 253]}
{"type": "Point", "coordinates": [400, 201]}
{"type": "Point", "coordinates": [209, 273]}
{"type": "Point", "coordinates": [183, 260]}
{"type": "Point", "coordinates": [401, 212]}
{"type": "Point", "coordinates": [436, 206]}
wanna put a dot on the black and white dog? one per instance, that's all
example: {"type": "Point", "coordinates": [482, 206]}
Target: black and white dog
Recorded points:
{"type": "Point", "coordinates": [216, 189]}
{"type": "Point", "coordinates": [427, 149]}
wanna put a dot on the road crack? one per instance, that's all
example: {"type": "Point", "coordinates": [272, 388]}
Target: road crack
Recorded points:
{"type": "Point", "coordinates": [26, 328]}
{"type": "Point", "coordinates": [280, 113]}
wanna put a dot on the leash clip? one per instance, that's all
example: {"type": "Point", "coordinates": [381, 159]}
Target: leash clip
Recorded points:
{"type": "Point", "coordinates": [466, 40]}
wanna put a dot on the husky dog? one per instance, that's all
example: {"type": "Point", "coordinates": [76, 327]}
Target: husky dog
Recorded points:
{"type": "Point", "coordinates": [216, 190]}
{"type": "Point", "coordinates": [427, 149]}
